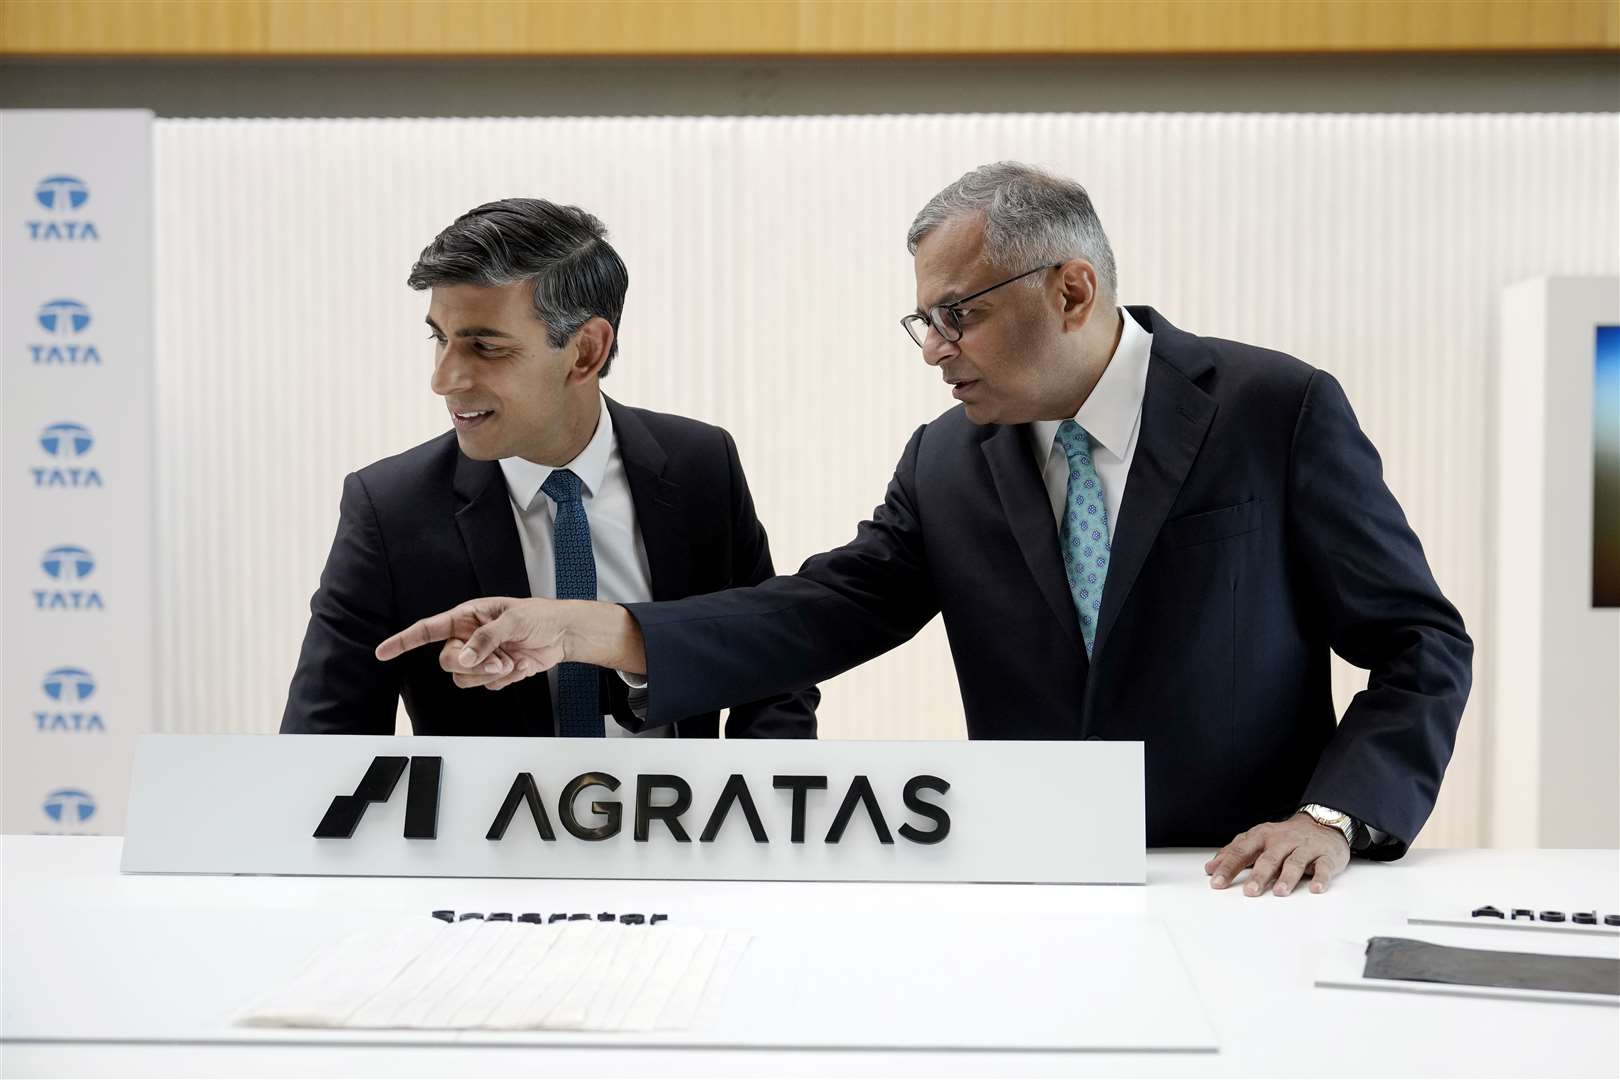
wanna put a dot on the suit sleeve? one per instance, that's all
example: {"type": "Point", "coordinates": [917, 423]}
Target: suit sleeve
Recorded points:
{"type": "Point", "coordinates": [1374, 592]}
{"type": "Point", "coordinates": [787, 633]}
{"type": "Point", "coordinates": [339, 686]}
{"type": "Point", "coordinates": [781, 716]}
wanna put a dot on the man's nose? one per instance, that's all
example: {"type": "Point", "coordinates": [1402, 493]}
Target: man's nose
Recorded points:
{"type": "Point", "coordinates": [935, 349]}
{"type": "Point", "coordinates": [450, 373]}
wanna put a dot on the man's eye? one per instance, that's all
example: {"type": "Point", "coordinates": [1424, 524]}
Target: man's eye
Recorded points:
{"type": "Point", "coordinates": [436, 337]}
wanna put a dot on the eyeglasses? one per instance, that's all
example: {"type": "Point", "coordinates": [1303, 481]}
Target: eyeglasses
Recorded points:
{"type": "Point", "coordinates": [947, 318]}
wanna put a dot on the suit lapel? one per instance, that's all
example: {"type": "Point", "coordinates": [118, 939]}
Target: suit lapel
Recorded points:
{"type": "Point", "coordinates": [1029, 514]}
{"type": "Point", "coordinates": [1176, 416]}
{"type": "Point", "coordinates": [661, 506]}
{"type": "Point", "coordinates": [489, 530]}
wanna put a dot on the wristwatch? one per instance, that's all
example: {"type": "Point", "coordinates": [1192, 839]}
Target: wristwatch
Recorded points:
{"type": "Point", "coordinates": [1333, 819]}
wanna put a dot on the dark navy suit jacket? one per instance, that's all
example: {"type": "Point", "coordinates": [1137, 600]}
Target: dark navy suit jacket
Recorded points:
{"type": "Point", "coordinates": [425, 530]}
{"type": "Point", "coordinates": [1256, 535]}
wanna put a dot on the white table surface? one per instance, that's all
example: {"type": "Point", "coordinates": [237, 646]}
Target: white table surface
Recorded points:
{"type": "Point", "coordinates": [1251, 959]}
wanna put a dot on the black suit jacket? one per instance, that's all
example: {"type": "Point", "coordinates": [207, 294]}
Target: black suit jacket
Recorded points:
{"type": "Point", "coordinates": [425, 530]}
{"type": "Point", "coordinates": [1255, 535]}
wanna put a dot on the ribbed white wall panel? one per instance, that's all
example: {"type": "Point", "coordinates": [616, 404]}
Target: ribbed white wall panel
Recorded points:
{"type": "Point", "coordinates": [768, 274]}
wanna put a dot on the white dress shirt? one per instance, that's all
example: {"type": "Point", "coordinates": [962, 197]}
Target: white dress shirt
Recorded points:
{"type": "Point", "coordinates": [1112, 416]}
{"type": "Point", "coordinates": [622, 575]}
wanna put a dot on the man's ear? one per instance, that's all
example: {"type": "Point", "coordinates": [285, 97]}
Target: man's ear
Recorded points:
{"type": "Point", "coordinates": [592, 343]}
{"type": "Point", "coordinates": [1077, 286]}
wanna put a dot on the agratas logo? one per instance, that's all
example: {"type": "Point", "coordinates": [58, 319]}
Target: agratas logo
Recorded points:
{"type": "Point", "coordinates": [422, 806]}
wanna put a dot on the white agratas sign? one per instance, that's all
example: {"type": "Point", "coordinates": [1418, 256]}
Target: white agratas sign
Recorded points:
{"type": "Point", "coordinates": [664, 808]}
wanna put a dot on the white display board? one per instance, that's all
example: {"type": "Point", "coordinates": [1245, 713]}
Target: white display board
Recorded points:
{"type": "Point", "coordinates": [1555, 729]}
{"type": "Point", "coordinates": [901, 980]}
{"type": "Point", "coordinates": [1062, 812]}
{"type": "Point", "coordinates": [76, 338]}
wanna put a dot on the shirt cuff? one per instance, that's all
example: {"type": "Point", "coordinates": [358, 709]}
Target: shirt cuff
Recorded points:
{"type": "Point", "coordinates": [636, 698]}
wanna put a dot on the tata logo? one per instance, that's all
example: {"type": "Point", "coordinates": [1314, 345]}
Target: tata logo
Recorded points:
{"type": "Point", "coordinates": [64, 319]}
{"type": "Point", "coordinates": [659, 797]}
{"type": "Point", "coordinates": [70, 806]}
{"type": "Point", "coordinates": [67, 564]}
{"type": "Point", "coordinates": [62, 193]}
{"type": "Point", "coordinates": [60, 196]}
{"type": "Point", "coordinates": [67, 687]}
{"type": "Point", "coordinates": [69, 684]}
{"type": "Point", "coordinates": [66, 440]}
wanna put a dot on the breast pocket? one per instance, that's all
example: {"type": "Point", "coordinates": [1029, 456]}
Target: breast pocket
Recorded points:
{"type": "Point", "coordinates": [1208, 526]}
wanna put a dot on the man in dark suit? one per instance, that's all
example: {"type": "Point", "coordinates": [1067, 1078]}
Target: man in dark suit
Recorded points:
{"type": "Point", "coordinates": [546, 487]}
{"type": "Point", "coordinates": [1132, 533]}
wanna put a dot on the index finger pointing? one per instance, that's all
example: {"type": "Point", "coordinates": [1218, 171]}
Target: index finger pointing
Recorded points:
{"type": "Point", "coordinates": [421, 632]}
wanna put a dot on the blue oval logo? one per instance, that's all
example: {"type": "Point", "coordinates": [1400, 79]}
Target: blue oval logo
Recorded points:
{"type": "Point", "coordinates": [69, 684]}
{"type": "Point", "coordinates": [69, 805]}
{"type": "Point", "coordinates": [62, 192]}
{"type": "Point", "coordinates": [64, 317]}
{"type": "Point", "coordinates": [67, 562]}
{"type": "Point", "coordinates": [66, 440]}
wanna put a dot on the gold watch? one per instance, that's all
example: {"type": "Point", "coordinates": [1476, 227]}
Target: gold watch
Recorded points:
{"type": "Point", "coordinates": [1333, 819]}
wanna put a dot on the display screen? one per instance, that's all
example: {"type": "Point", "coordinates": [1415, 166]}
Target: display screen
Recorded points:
{"type": "Point", "coordinates": [1606, 469]}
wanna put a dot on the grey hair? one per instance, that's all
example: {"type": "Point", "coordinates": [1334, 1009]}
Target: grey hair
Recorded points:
{"type": "Point", "coordinates": [576, 273]}
{"type": "Point", "coordinates": [1030, 217]}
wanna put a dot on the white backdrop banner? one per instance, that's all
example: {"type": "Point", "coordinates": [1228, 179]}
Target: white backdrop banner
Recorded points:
{"type": "Point", "coordinates": [76, 281]}
{"type": "Point", "coordinates": [768, 275]}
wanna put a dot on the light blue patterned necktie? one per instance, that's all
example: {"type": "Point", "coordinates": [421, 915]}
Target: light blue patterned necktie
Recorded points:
{"type": "Point", "coordinates": [578, 706]}
{"type": "Point", "coordinates": [1084, 534]}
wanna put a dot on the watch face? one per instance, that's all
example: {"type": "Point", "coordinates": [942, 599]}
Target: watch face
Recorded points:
{"type": "Point", "coordinates": [1325, 816]}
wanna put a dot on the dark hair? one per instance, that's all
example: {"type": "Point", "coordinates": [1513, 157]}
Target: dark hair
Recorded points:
{"type": "Point", "coordinates": [577, 275]}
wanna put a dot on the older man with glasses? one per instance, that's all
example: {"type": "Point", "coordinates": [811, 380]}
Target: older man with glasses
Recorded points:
{"type": "Point", "coordinates": [1132, 532]}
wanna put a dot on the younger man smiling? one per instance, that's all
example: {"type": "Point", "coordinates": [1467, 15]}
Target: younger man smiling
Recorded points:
{"type": "Point", "coordinates": [546, 487]}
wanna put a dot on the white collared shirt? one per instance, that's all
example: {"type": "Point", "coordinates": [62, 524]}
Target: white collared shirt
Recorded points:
{"type": "Point", "coordinates": [1111, 415]}
{"type": "Point", "coordinates": [622, 574]}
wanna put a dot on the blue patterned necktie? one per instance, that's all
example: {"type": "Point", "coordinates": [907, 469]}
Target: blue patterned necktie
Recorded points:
{"type": "Point", "coordinates": [1084, 534]}
{"type": "Point", "coordinates": [578, 707]}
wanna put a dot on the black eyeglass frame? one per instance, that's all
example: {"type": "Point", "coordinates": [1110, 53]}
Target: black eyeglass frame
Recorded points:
{"type": "Point", "coordinates": [947, 320]}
